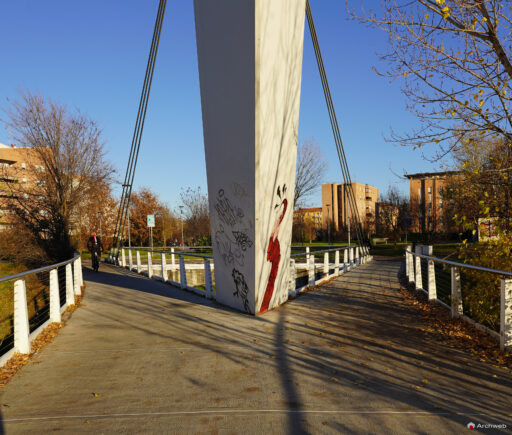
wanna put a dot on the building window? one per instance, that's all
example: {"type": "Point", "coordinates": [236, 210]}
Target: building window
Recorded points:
{"type": "Point", "coordinates": [23, 165]}
{"type": "Point", "coordinates": [429, 190]}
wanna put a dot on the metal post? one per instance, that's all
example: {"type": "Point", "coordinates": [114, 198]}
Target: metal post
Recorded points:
{"type": "Point", "coordinates": [54, 296]}
{"type": "Point", "coordinates": [76, 278]}
{"type": "Point", "coordinates": [345, 260]}
{"type": "Point", "coordinates": [506, 315]}
{"type": "Point", "coordinates": [408, 249]}
{"type": "Point", "coordinates": [417, 277]}
{"type": "Point", "coordinates": [173, 262]}
{"type": "Point", "coordinates": [21, 326]}
{"type": "Point", "coordinates": [432, 291]}
{"type": "Point", "coordinates": [164, 267]}
{"type": "Point", "coordinates": [139, 266]}
{"type": "Point", "coordinates": [208, 284]}
{"type": "Point", "coordinates": [337, 263]}
{"type": "Point", "coordinates": [182, 242]}
{"type": "Point", "coordinates": [129, 233]}
{"type": "Point", "coordinates": [70, 295]}
{"type": "Point", "coordinates": [311, 267]}
{"type": "Point", "coordinates": [123, 258]}
{"type": "Point", "coordinates": [457, 309]}
{"type": "Point", "coordinates": [183, 273]}
{"type": "Point", "coordinates": [130, 259]}
{"type": "Point", "coordinates": [150, 264]}
{"type": "Point", "coordinates": [292, 286]}
{"type": "Point", "coordinates": [326, 264]}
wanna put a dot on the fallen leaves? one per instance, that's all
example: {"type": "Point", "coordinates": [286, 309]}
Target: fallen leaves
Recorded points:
{"type": "Point", "coordinates": [45, 337]}
{"type": "Point", "coordinates": [455, 332]}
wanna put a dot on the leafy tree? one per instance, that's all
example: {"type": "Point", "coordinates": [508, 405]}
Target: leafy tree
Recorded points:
{"type": "Point", "coordinates": [143, 202]}
{"type": "Point", "coordinates": [454, 59]}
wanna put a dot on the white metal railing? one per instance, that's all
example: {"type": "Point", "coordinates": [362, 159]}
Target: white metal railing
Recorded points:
{"type": "Point", "coordinates": [72, 279]}
{"type": "Point", "coordinates": [345, 258]}
{"type": "Point", "coordinates": [414, 273]}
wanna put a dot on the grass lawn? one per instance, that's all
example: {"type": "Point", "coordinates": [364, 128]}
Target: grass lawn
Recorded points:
{"type": "Point", "coordinates": [441, 250]}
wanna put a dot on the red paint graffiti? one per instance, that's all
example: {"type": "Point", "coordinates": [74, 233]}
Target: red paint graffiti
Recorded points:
{"type": "Point", "coordinates": [274, 256]}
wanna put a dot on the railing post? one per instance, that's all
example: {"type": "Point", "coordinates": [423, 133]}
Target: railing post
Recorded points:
{"type": "Point", "coordinates": [76, 278]}
{"type": "Point", "coordinates": [408, 248]}
{"type": "Point", "coordinates": [351, 257]}
{"type": "Point", "coordinates": [70, 294]}
{"type": "Point", "coordinates": [150, 264]}
{"type": "Point", "coordinates": [432, 290]}
{"type": "Point", "coordinates": [337, 263]}
{"type": "Point", "coordinates": [293, 276]}
{"type": "Point", "coordinates": [506, 315]}
{"type": "Point", "coordinates": [164, 267]}
{"type": "Point", "coordinates": [345, 260]}
{"type": "Point", "coordinates": [173, 262]}
{"type": "Point", "coordinates": [357, 255]}
{"type": "Point", "coordinates": [21, 326]}
{"type": "Point", "coordinates": [54, 296]}
{"type": "Point", "coordinates": [80, 272]}
{"type": "Point", "coordinates": [208, 284]}
{"type": "Point", "coordinates": [326, 264]}
{"type": "Point", "coordinates": [183, 273]}
{"type": "Point", "coordinates": [457, 309]}
{"type": "Point", "coordinates": [139, 266]}
{"type": "Point", "coordinates": [130, 259]}
{"type": "Point", "coordinates": [123, 258]}
{"type": "Point", "coordinates": [311, 267]}
{"type": "Point", "coordinates": [417, 262]}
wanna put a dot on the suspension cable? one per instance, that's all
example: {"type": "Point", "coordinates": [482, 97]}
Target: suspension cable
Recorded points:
{"type": "Point", "coordinates": [124, 204]}
{"type": "Point", "coordinates": [335, 128]}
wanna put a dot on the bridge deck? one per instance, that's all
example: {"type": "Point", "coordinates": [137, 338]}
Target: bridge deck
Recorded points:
{"type": "Point", "coordinates": [349, 357]}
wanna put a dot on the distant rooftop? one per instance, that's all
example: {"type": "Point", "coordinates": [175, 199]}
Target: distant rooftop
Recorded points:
{"type": "Point", "coordinates": [430, 174]}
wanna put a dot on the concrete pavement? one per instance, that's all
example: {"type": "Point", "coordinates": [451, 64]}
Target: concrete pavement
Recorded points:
{"type": "Point", "coordinates": [143, 357]}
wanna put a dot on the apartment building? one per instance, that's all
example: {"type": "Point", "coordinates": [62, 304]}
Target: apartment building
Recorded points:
{"type": "Point", "coordinates": [19, 167]}
{"type": "Point", "coordinates": [312, 215]}
{"type": "Point", "coordinates": [335, 205]}
{"type": "Point", "coordinates": [429, 211]}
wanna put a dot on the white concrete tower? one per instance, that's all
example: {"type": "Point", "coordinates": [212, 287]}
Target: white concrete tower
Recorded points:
{"type": "Point", "coordinates": [250, 66]}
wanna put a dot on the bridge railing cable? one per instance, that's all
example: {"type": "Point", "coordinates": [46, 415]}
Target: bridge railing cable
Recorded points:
{"type": "Point", "coordinates": [196, 272]}
{"type": "Point", "coordinates": [31, 300]}
{"type": "Point", "coordinates": [479, 295]}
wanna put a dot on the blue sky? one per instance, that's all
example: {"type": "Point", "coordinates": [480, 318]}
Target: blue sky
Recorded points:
{"type": "Point", "coordinates": [92, 55]}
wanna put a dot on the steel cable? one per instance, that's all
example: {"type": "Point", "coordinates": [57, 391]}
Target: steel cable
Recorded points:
{"type": "Point", "coordinates": [334, 124]}
{"type": "Point", "coordinates": [137, 134]}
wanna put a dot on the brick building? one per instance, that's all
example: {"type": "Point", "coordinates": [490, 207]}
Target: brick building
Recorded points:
{"type": "Point", "coordinates": [20, 166]}
{"type": "Point", "coordinates": [429, 210]}
{"type": "Point", "coordinates": [335, 207]}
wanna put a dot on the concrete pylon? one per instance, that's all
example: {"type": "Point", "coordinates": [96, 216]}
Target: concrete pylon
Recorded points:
{"type": "Point", "coordinates": [250, 66]}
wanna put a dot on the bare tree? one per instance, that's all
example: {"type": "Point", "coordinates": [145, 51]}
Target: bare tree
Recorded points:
{"type": "Point", "coordinates": [393, 213]}
{"type": "Point", "coordinates": [66, 165]}
{"type": "Point", "coordinates": [310, 170]}
{"type": "Point", "coordinates": [453, 56]}
{"type": "Point", "coordinates": [197, 216]}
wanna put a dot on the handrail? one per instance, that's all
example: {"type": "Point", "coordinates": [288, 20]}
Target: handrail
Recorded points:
{"type": "Point", "coordinates": [193, 254]}
{"type": "Point", "coordinates": [39, 270]}
{"type": "Point", "coordinates": [159, 251]}
{"type": "Point", "coordinates": [456, 264]}
{"type": "Point", "coordinates": [340, 248]}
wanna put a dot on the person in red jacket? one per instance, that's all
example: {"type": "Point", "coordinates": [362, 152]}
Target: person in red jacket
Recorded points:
{"type": "Point", "coordinates": [95, 248]}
